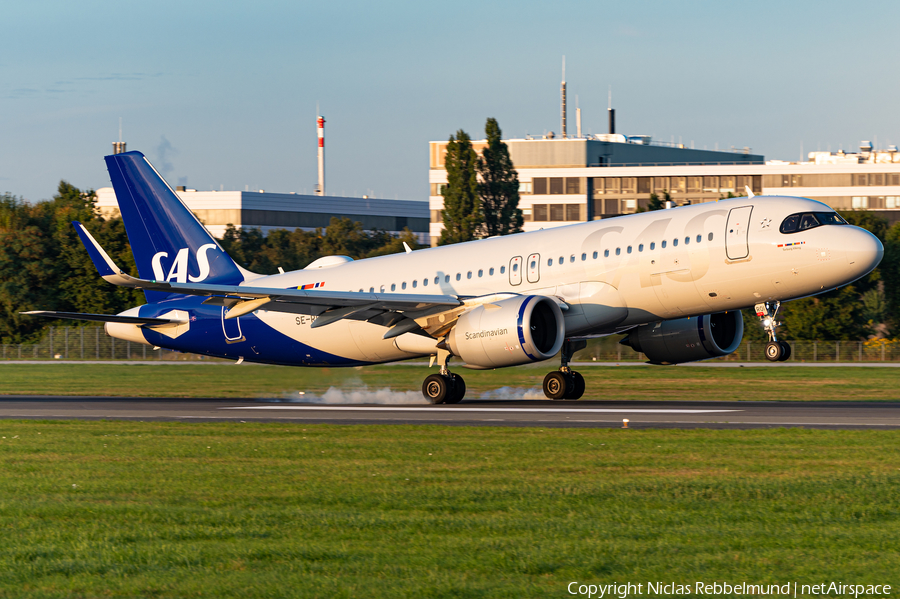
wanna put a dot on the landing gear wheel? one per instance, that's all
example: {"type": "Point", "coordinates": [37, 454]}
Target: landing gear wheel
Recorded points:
{"type": "Point", "coordinates": [556, 385]}
{"type": "Point", "coordinates": [774, 351]}
{"type": "Point", "coordinates": [459, 389]}
{"type": "Point", "coordinates": [577, 386]}
{"type": "Point", "coordinates": [437, 388]}
{"type": "Point", "coordinates": [786, 351]}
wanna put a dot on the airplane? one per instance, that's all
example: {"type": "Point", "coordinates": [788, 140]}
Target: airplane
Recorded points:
{"type": "Point", "coordinates": [673, 280]}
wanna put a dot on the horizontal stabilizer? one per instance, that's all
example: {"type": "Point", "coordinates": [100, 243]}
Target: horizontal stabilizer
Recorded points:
{"type": "Point", "coordinates": [98, 317]}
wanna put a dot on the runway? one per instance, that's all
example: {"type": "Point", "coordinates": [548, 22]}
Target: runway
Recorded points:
{"type": "Point", "coordinates": [516, 413]}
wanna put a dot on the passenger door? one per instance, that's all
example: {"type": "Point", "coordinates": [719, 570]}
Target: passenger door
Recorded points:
{"type": "Point", "coordinates": [736, 230]}
{"type": "Point", "coordinates": [534, 268]}
{"type": "Point", "coordinates": [515, 271]}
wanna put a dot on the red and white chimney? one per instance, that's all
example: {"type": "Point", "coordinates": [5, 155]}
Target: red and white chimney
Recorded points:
{"type": "Point", "coordinates": [320, 125]}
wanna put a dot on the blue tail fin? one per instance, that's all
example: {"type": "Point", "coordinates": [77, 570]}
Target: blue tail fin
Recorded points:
{"type": "Point", "coordinates": [168, 242]}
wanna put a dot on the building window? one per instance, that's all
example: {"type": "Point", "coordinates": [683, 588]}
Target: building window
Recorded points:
{"type": "Point", "coordinates": [660, 184]}
{"type": "Point", "coordinates": [876, 179]}
{"type": "Point", "coordinates": [573, 212]}
{"type": "Point", "coordinates": [894, 179]}
{"type": "Point", "coordinates": [540, 212]}
{"type": "Point", "coordinates": [524, 186]}
{"type": "Point", "coordinates": [556, 185]}
{"type": "Point", "coordinates": [711, 184]}
{"type": "Point", "coordinates": [598, 185]}
{"type": "Point", "coordinates": [630, 204]}
{"type": "Point", "coordinates": [678, 184]}
{"type": "Point", "coordinates": [629, 184]}
{"type": "Point", "coordinates": [557, 212]}
{"type": "Point", "coordinates": [612, 185]}
{"type": "Point", "coordinates": [573, 185]}
{"type": "Point", "coordinates": [540, 186]}
{"type": "Point", "coordinates": [644, 184]}
{"type": "Point", "coordinates": [694, 184]}
{"type": "Point", "coordinates": [892, 202]}
{"type": "Point", "coordinates": [862, 180]}
{"type": "Point", "coordinates": [859, 202]}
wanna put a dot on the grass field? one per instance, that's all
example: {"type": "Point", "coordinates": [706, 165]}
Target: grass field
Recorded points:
{"type": "Point", "coordinates": [126, 509]}
{"type": "Point", "coordinates": [612, 383]}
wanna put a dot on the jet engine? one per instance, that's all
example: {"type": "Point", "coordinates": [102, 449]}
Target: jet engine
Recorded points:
{"type": "Point", "coordinates": [688, 339]}
{"type": "Point", "coordinates": [517, 330]}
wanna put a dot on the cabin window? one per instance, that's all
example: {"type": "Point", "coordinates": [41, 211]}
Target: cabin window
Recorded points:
{"type": "Point", "coordinates": [675, 242]}
{"type": "Point", "coordinates": [491, 271]}
{"type": "Point", "coordinates": [595, 255]}
{"type": "Point", "coordinates": [687, 240]}
{"type": "Point", "coordinates": [425, 282]}
{"type": "Point", "coordinates": [652, 245]}
{"type": "Point", "coordinates": [699, 238]}
{"type": "Point", "coordinates": [437, 280]}
{"type": "Point", "coordinates": [415, 283]}
{"type": "Point", "coordinates": [629, 249]}
{"type": "Point", "coordinates": [393, 286]}
{"type": "Point", "coordinates": [446, 278]}
{"type": "Point", "coordinates": [572, 258]}
{"type": "Point", "coordinates": [516, 267]}
{"type": "Point", "coordinates": [606, 253]}
{"type": "Point", "coordinates": [458, 276]}
{"type": "Point", "coordinates": [403, 285]}
{"type": "Point", "coordinates": [549, 261]}
{"type": "Point", "coordinates": [664, 244]}
{"type": "Point", "coordinates": [583, 257]}
{"type": "Point", "coordinates": [480, 273]}
{"type": "Point", "coordinates": [641, 247]}
{"type": "Point", "coordinates": [469, 275]}
{"type": "Point", "coordinates": [561, 260]}
{"type": "Point", "coordinates": [710, 236]}
{"type": "Point", "coordinates": [618, 251]}
{"type": "Point", "coordinates": [382, 289]}
{"type": "Point", "coordinates": [502, 269]}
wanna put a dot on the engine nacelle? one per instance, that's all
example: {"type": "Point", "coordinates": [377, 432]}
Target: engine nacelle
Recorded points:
{"type": "Point", "coordinates": [688, 339]}
{"type": "Point", "coordinates": [517, 330]}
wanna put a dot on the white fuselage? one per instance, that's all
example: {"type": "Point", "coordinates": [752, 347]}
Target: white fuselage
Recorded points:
{"type": "Point", "coordinates": [609, 275]}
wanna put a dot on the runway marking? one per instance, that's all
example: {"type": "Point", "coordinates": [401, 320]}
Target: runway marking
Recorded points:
{"type": "Point", "coordinates": [342, 408]}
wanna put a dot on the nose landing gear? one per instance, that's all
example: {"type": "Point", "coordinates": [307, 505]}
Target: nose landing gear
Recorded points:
{"type": "Point", "coordinates": [776, 351]}
{"type": "Point", "coordinates": [565, 383]}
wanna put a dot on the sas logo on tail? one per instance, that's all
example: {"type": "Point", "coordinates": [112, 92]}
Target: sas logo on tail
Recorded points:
{"type": "Point", "coordinates": [179, 269]}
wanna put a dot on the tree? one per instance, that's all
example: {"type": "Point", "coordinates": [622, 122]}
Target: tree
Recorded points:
{"type": "Point", "coordinates": [499, 186]}
{"type": "Point", "coordinates": [462, 210]}
{"type": "Point", "coordinates": [658, 204]}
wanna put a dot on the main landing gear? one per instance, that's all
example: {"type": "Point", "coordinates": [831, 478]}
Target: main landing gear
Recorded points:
{"type": "Point", "coordinates": [565, 383]}
{"type": "Point", "coordinates": [776, 351]}
{"type": "Point", "coordinates": [445, 387]}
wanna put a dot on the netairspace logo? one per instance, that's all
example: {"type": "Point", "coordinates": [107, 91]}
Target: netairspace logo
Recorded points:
{"type": "Point", "coordinates": [790, 589]}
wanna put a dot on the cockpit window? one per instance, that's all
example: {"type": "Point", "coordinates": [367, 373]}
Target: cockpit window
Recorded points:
{"type": "Point", "coordinates": [809, 220]}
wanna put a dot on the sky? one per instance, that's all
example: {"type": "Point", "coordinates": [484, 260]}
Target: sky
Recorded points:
{"type": "Point", "coordinates": [224, 95]}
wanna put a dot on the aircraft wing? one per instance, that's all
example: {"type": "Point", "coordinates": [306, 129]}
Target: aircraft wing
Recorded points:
{"type": "Point", "coordinates": [244, 299]}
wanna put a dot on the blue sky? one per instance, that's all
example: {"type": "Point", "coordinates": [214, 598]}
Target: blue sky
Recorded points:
{"type": "Point", "coordinates": [224, 94]}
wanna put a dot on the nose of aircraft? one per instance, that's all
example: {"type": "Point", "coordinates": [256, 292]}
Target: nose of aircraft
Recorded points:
{"type": "Point", "coordinates": [864, 251]}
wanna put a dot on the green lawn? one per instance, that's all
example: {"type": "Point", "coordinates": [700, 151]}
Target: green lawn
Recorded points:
{"type": "Point", "coordinates": [612, 383]}
{"type": "Point", "coordinates": [127, 509]}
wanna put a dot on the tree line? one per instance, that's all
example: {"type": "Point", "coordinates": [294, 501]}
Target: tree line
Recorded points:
{"type": "Point", "coordinates": [44, 266]}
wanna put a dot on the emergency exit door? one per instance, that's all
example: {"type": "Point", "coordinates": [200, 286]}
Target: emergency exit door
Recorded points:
{"type": "Point", "coordinates": [737, 229]}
